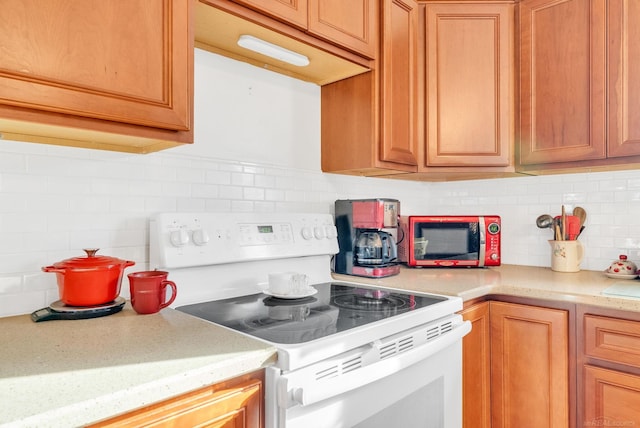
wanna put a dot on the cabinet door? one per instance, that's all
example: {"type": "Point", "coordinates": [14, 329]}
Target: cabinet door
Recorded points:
{"type": "Point", "coordinates": [120, 61]}
{"type": "Point", "coordinates": [398, 87]}
{"type": "Point", "coordinates": [236, 403]}
{"type": "Point", "coordinates": [469, 84]}
{"type": "Point", "coordinates": [351, 24]}
{"type": "Point", "coordinates": [369, 124]}
{"type": "Point", "coordinates": [624, 85]}
{"type": "Point", "coordinates": [611, 398]}
{"type": "Point", "coordinates": [291, 11]}
{"type": "Point", "coordinates": [562, 81]}
{"type": "Point", "coordinates": [476, 369]}
{"type": "Point", "coordinates": [529, 366]}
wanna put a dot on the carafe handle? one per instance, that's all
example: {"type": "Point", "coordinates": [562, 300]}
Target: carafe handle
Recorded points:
{"type": "Point", "coordinates": [389, 248]}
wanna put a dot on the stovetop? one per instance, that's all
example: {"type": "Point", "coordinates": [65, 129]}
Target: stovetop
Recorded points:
{"type": "Point", "coordinates": [335, 308]}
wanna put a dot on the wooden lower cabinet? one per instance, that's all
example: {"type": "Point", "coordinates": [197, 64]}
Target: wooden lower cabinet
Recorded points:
{"type": "Point", "coordinates": [529, 366]}
{"type": "Point", "coordinates": [516, 369]}
{"type": "Point", "coordinates": [612, 398]}
{"type": "Point", "coordinates": [476, 368]}
{"type": "Point", "coordinates": [236, 403]}
{"type": "Point", "coordinates": [610, 364]}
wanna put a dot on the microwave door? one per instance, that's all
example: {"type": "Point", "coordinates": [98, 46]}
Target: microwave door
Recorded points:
{"type": "Point", "coordinates": [449, 241]}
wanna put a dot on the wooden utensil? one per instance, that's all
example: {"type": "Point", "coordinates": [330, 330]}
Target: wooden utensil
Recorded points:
{"type": "Point", "coordinates": [557, 234]}
{"type": "Point", "coordinates": [564, 225]}
{"type": "Point", "coordinates": [581, 214]}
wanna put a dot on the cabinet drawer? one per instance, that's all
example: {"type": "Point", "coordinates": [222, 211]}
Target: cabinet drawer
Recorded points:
{"type": "Point", "coordinates": [612, 339]}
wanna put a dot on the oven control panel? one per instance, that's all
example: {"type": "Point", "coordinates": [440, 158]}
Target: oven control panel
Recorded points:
{"type": "Point", "coordinates": [200, 239]}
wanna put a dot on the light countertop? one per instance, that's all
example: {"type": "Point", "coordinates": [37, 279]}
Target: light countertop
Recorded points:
{"type": "Point", "coordinates": [69, 373]}
{"type": "Point", "coordinates": [583, 287]}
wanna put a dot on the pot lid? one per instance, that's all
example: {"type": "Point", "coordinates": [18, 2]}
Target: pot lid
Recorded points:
{"type": "Point", "coordinates": [91, 260]}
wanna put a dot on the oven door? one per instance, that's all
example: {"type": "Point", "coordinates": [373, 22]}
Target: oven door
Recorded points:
{"type": "Point", "coordinates": [420, 387]}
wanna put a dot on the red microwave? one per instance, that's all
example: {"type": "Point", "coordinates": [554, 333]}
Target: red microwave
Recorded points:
{"type": "Point", "coordinates": [449, 241]}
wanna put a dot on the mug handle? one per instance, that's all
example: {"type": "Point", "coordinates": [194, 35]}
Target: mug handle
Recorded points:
{"type": "Point", "coordinates": [174, 292]}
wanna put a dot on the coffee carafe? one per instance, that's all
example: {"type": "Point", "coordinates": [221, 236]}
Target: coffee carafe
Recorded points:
{"type": "Point", "coordinates": [367, 232]}
{"type": "Point", "coordinates": [375, 247]}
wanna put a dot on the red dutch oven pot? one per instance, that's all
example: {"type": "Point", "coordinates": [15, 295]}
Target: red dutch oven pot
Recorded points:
{"type": "Point", "coordinates": [89, 281]}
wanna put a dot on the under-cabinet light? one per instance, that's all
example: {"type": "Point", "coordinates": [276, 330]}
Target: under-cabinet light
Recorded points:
{"type": "Point", "coordinates": [273, 51]}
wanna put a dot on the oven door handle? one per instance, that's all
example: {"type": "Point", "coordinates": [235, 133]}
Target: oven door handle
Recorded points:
{"type": "Point", "coordinates": [290, 394]}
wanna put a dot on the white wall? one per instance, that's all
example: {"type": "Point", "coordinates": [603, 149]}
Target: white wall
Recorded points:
{"type": "Point", "coordinates": [257, 149]}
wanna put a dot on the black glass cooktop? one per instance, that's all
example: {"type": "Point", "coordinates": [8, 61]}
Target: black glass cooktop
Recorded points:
{"type": "Point", "coordinates": [335, 307]}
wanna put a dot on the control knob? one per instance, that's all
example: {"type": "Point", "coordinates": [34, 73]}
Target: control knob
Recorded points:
{"type": "Point", "coordinates": [331, 231]}
{"type": "Point", "coordinates": [307, 233]}
{"type": "Point", "coordinates": [200, 237]}
{"type": "Point", "coordinates": [179, 238]}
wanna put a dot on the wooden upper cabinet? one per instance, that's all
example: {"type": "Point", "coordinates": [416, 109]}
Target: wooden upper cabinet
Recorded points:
{"type": "Point", "coordinates": [398, 100]}
{"type": "Point", "coordinates": [624, 85]}
{"type": "Point", "coordinates": [292, 11]}
{"type": "Point", "coordinates": [562, 81]}
{"type": "Point", "coordinates": [529, 366]}
{"type": "Point", "coordinates": [349, 24]}
{"type": "Point", "coordinates": [368, 122]}
{"type": "Point", "coordinates": [352, 24]}
{"type": "Point", "coordinates": [125, 62]}
{"type": "Point", "coordinates": [469, 81]}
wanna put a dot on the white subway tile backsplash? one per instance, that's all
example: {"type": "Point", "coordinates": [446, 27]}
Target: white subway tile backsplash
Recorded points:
{"type": "Point", "coordinates": [231, 192]}
{"type": "Point", "coordinates": [23, 303]}
{"type": "Point", "coordinates": [156, 204]}
{"type": "Point", "coordinates": [190, 175]}
{"type": "Point", "coordinates": [205, 190]}
{"type": "Point", "coordinates": [13, 162]}
{"type": "Point", "coordinates": [137, 187]}
{"type": "Point", "coordinates": [23, 183]}
{"type": "Point", "coordinates": [54, 201]}
{"type": "Point", "coordinates": [242, 179]}
{"type": "Point", "coordinates": [264, 207]}
{"type": "Point", "coordinates": [10, 284]}
{"type": "Point", "coordinates": [264, 181]}
{"type": "Point", "coordinates": [242, 206]}
{"type": "Point", "coordinates": [217, 177]}
{"type": "Point", "coordinates": [218, 206]}
{"type": "Point", "coordinates": [253, 193]}
{"type": "Point", "coordinates": [191, 205]}
{"type": "Point", "coordinates": [274, 195]}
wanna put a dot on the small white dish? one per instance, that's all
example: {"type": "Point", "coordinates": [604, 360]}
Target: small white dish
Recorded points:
{"type": "Point", "coordinates": [620, 275]}
{"type": "Point", "coordinates": [309, 292]}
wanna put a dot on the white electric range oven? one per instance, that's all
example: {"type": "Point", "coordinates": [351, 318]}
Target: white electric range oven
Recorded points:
{"type": "Point", "coordinates": [349, 355]}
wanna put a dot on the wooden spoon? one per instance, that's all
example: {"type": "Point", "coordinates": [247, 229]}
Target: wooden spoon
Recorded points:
{"type": "Point", "coordinates": [582, 216]}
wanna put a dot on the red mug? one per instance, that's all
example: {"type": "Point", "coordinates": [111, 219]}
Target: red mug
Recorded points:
{"type": "Point", "coordinates": [149, 291]}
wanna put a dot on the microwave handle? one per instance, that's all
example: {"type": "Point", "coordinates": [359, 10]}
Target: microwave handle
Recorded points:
{"type": "Point", "coordinates": [482, 249]}
{"type": "Point", "coordinates": [309, 394]}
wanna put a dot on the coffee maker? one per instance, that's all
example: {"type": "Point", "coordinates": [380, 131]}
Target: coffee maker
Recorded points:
{"type": "Point", "coordinates": [367, 236]}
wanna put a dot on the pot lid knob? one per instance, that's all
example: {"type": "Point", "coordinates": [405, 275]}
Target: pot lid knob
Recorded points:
{"type": "Point", "coordinates": [91, 252]}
